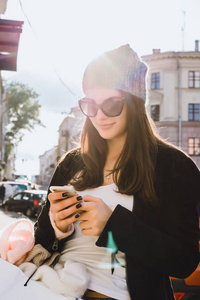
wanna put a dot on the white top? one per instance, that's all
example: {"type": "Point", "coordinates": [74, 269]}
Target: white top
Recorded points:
{"type": "Point", "coordinates": [81, 248]}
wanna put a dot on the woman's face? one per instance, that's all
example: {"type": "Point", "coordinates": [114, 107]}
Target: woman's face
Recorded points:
{"type": "Point", "coordinates": [109, 128]}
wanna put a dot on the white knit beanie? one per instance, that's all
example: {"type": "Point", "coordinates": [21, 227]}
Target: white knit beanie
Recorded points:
{"type": "Point", "coordinates": [119, 69]}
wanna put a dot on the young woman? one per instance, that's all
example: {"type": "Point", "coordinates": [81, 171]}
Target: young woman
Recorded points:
{"type": "Point", "coordinates": [134, 222]}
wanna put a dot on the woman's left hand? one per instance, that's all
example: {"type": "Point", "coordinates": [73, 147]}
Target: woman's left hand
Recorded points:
{"type": "Point", "coordinates": [95, 216]}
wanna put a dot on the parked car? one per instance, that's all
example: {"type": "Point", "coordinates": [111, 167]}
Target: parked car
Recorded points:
{"type": "Point", "coordinates": [31, 185]}
{"type": "Point", "coordinates": [28, 202]}
{"type": "Point", "coordinates": [188, 288]}
{"type": "Point", "coordinates": [12, 187]}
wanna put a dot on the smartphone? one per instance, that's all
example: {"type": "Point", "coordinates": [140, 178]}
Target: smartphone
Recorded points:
{"type": "Point", "coordinates": [66, 188]}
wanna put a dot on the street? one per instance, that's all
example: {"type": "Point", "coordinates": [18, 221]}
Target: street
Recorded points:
{"type": "Point", "coordinates": [8, 217]}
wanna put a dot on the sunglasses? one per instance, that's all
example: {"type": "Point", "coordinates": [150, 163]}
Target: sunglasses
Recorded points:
{"type": "Point", "coordinates": [111, 107]}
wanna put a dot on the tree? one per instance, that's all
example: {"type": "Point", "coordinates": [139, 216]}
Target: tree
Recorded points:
{"type": "Point", "coordinates": [23, 113]}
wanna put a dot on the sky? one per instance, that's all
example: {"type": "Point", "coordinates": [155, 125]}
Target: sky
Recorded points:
{"type": "Point", "coordinates": [61, 37]}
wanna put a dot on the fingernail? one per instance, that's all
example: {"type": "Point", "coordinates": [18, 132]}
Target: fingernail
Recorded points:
{"type": "Point", "coordinates": [64, 194]}
{"type": "Point", "coordinates": [77, 216]}
{"type": "Point", "coordinates": [79, 198]}
{"type": "Point", "coordinates": [78, 205]}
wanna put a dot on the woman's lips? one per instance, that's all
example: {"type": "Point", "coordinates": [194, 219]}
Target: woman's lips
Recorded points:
{"type": "Point", "coordinates": [105, 126]}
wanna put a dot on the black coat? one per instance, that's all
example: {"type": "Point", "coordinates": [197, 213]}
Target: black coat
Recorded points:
{"type": "Point", "coordinates": [159, 241]}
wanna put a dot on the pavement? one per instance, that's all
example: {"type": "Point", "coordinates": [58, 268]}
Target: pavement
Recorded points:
{"type": "Point", "coordinates": [7, 218]}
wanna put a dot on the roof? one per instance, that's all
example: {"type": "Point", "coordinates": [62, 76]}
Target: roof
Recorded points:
{"type": "Point", "coordinates": [9, 40]}
{"type": "Point", "coordinates": [171, 55]}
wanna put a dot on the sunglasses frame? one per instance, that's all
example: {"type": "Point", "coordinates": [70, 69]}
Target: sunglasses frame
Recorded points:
{"type": "Point", "coordinates": [100, 106]}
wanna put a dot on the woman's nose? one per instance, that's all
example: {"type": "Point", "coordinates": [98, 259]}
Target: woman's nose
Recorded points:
{"type": "Point", "coordinates": [100, 114]}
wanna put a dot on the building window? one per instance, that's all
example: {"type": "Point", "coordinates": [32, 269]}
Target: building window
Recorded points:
{"type": "Point", "coordinates": [194, 146]}
{"type": "Point", "coordinates": [194, 79]}
{"type": "Point", "coordinates": [155, 81]}
{"type": "Point", "coordinates": [193, 112]}
{"type": "Point", "coordinates": [155, 112]}
{"type": "Point", "coordinates": [65, 133]}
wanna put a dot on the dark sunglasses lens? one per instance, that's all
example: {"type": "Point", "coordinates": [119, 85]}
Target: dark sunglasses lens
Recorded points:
{"type": "Point", "coordinates": [88, 108]}
{"type": "Point", "coordinates": [113, 107]}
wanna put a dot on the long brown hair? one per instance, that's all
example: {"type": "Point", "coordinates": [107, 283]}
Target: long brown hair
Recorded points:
{"type": "Point", "coordinates": [134, 169]}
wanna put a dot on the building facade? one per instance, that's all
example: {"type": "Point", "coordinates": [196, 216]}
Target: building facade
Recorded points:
{"type": "Point", "coordinates": [3, 123]}
{"type": "Point", "coordinates": [174, 97]}
{"type": "Point", "coordinates": [68, 138]}
{"type": "Point", "coordinates": [9, 42]}
{"type": "Point", "coordinates": [48, 162]}
{"type": "Point", "coordinates": [69, 131]}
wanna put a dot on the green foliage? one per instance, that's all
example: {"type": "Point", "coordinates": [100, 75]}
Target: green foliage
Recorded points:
{"type": "Point", "coordinates": [23, 112]}
{"type": "Point", "coordinates": [8, 150]}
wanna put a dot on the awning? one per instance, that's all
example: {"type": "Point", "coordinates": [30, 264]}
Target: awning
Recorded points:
{"type": "Point", "coordinates": [9, 40]}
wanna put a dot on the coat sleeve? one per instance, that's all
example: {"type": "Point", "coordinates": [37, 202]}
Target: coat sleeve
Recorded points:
{"type": "Point", "coordinates": [172, 246]}
{"type": "Point", "coordinates": [44, 232]}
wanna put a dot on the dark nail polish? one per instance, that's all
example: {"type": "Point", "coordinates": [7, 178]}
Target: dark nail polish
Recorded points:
{"type": "Point", "coordinates": [64, 194]}
{"type": "Point", "coordinates": [77, 216]}
{"type": "Point", "coordinates": [78, 205]}
{"type": "Point", "coordinates": [79, 198]}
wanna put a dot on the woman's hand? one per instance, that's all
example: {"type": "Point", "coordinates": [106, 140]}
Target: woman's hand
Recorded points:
{"type": "Point", "coordinates": [64, 210]}
{"type": "Point", "coordinates": [95, 216]}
